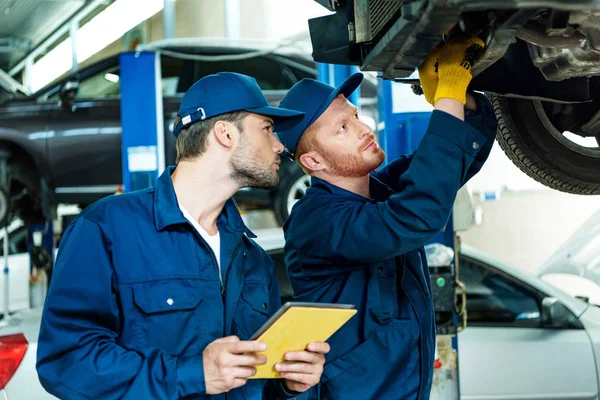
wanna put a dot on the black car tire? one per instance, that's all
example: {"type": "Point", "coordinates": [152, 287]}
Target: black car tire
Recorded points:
{"type": "Point", "coordinates": [288, 188]}
{"type": "Point", "coordinates": [530, 145]}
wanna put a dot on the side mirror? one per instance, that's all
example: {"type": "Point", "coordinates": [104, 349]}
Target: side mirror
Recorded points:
{"type": "Point", "coordinates": [68, 93]}
{"type": "Point", "coordinates": [556, 315]}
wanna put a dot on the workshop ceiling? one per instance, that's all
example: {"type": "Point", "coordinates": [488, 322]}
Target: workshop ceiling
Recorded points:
{"type": "Point", "coordinates": [24, 24]}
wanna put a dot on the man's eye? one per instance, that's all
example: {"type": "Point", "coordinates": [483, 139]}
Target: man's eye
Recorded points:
{"type": "Point", "coordinates": [343, 128]}
{"type": "Point", "coordinates": [356, 116]}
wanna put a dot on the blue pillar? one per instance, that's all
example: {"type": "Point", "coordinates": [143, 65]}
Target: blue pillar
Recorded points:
{"type": "Point", "coordinates": [335, 75]}
{"type": "Point", "coordinates": [142, 140]}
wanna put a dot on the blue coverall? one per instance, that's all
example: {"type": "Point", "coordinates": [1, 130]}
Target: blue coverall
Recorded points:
{"type": "Point", "coordinates": [136, 296]}
{"type": "Point", "coordinates": [344, 248]}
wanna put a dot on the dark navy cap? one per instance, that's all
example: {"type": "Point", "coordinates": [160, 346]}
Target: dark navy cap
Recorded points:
{"type": "Point", "coordinates": [311, 97]}
{"type": "Point", "coordinates": [227, 92]}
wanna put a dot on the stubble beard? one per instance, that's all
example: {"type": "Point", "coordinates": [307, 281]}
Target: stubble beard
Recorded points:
{"type": "Point", "coordinates": [247, 170]}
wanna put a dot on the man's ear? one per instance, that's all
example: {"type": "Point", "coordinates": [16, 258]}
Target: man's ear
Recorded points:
{"type": "Point", "coordinates": [223, 134]}
{"type": "Point", "coordinates": [312, 161]}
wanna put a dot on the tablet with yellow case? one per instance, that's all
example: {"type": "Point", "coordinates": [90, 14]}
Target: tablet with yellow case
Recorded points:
{"type": "Point", "coordinates": [294, 326]}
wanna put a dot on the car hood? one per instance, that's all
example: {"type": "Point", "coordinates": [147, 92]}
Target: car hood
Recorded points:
{"type": "Point", "coordinates": [576, 264]}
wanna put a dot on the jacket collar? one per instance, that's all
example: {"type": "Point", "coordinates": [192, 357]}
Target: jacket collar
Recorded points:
{"type": "Point", "coordinates": [379, 190]}
{"type": "Point", "coordinates": [167, 211]}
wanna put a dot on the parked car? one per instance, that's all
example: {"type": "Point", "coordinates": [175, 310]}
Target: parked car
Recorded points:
{"type": "Point", "coordinates": [65, 140]}
{"type": "Point", "coordinates": [525, 339]}
{"type": "Point", "coordinates": [541, 68]}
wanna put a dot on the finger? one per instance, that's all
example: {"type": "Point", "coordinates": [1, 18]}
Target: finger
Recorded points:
{"type": "Point", "coordinates": [319, 347]}
{"type": "Point", "coordinates": [247, 347]}
{"type": "Point", "coordinates": [303, 368]}
{"type": "Point", "coordinates": [300, 378]}
{"type": "Point", "coordinates": [249, 360]}
{"type": "Point", "coordinates": [228, 339]}
{"type": "Point", "coordinates": [306, 356]}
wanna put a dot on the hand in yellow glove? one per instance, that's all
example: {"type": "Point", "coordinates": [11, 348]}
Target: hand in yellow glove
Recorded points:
{"type": "Point", "coordinates": [428, 75]}
{"type": "Point", "coordinates": [455, 61]}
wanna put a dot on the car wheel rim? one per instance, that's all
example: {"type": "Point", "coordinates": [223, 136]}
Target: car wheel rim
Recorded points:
{"type": "Point", "coordinates": [562, 137]}
{"type": "Point", "coordinates": [297, 191]}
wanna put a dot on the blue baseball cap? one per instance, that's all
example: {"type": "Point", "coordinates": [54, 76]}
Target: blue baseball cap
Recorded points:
{"type": "Point", "coordinates": [227, 92]}
{"type": "Point", "coordinates": [311, 97]}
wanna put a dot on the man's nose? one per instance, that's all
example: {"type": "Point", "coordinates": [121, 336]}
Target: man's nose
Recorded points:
{"type": "Point", "coordinates": [277, 146]}
{"type": "Point", "coordinates": [364, 129]}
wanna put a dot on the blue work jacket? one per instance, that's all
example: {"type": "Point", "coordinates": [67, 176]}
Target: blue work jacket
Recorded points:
{"type": "Point", "coordinates": [136, 296]}
{"type": "Point", "coordinates": [344, 248]}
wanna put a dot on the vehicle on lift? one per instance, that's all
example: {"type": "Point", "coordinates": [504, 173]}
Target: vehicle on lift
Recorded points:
{"type": "Point", "coordinates": [65, 140]}
{"type": "Point", "coordinates": [525, 339]}
{"type": "Point", "coordinates": [541, 69]}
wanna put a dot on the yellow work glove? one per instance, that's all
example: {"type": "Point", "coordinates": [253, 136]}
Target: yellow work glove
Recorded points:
{"type": "Point", "coordinates": [428, 75]}
{"type": "Point", "coordinates": [455, 62]}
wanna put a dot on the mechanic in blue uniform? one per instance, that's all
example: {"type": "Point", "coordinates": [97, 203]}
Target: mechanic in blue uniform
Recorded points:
{"type": "Point", "coordinates": [357, 235]}
{"type": "Point", "coordinates": [156, 292]}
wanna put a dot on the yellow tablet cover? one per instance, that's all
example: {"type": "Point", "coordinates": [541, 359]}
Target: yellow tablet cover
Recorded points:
{"type": "Point", "coordinates": [294, 330]}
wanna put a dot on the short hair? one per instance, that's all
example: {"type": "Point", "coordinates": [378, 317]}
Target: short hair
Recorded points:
{"type": "Point", "coordinates": [192, 141]}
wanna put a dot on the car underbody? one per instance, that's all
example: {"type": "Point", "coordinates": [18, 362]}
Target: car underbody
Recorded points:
{"type": "Point", "coordinates": [543, 56]}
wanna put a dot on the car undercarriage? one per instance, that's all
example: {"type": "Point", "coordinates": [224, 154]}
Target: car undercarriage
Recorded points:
{"type": "Point", "coordinates": [540, 67]}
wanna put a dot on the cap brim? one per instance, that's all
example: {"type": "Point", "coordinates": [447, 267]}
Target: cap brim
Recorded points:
{"type": "Point", "coordinates": [283, 119]}
{"type": "Point", "coordinates": [346, 88]}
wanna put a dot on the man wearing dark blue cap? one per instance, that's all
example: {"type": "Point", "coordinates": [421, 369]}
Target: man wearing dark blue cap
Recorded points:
{"type": "Point", "coordinates": [156, 292]}
{"type": "Point", "coordinates": [357, 235]}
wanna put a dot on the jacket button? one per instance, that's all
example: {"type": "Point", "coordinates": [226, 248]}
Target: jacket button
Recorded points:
{"type": "Point", "coordinates": [265, 306]}
{"type": "Point", "coordinates": [475, 145]}
{"type": "Point", "coordinates": [380, 269]}
{"type": "Point", "coordinates": [170, 301]}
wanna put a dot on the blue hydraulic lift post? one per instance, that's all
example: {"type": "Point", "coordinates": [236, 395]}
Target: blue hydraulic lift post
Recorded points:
{"type": "Point", "coordinates": [335, 75]}
{"type": "Point", "coordinates": [142, 138]}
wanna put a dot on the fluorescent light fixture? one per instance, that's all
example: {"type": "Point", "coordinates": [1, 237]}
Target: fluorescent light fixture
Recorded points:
{"type": "Point", "coordinates": [114, 78]}
{"type": "Point", "coordinates": [108, 26]}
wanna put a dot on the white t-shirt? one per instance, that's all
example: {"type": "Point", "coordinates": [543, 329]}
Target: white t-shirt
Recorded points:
{"type": "Point", "coordinates": [214, 242]}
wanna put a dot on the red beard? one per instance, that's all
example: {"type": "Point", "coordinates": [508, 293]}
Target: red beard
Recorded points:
{"type": "Point", "coordinates": [354, 165]}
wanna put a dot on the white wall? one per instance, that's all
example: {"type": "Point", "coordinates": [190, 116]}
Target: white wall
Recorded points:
{"type": "Point", "coordinates": [525, 228]}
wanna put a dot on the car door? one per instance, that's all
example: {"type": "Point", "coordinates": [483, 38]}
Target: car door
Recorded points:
{"type": "Point", "coordinates": [84, 141]}
{"type": "Point", "coordinates": [506, 353]}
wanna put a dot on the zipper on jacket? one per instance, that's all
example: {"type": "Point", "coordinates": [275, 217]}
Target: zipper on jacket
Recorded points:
{"type": "Point", "coordinates": [214, 258]}
{"type": "Point", "coordinates": [224, 279]}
